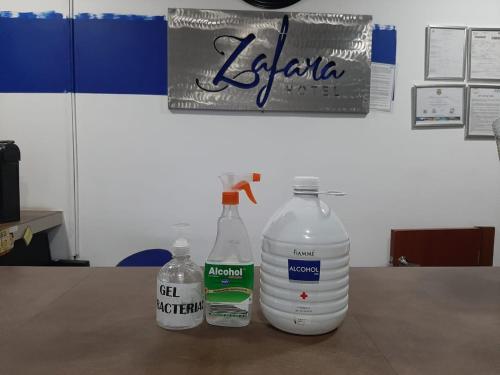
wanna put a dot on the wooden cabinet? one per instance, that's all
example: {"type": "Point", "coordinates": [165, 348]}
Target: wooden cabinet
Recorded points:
{"type": "Point", "coordinates": [458, 247]}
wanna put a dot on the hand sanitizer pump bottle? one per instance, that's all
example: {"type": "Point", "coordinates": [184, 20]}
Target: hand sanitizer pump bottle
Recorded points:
{"type": "Point", "coordinates": [229, 267]}
{"type": "Point", "coordinates": [179, 301]}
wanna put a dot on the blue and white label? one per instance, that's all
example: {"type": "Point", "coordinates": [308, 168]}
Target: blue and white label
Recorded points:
{"type": "Point", "coordinates": [303, 270]}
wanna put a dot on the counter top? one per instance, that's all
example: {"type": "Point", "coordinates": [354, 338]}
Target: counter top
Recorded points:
{"type": "Point", "coordinates": [102, 321]}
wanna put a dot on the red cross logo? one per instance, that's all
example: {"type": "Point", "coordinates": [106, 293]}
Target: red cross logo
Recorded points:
{"type": "Point", "coordinates": [304, 295]}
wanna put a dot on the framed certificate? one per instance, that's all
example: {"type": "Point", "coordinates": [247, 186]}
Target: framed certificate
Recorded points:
{"type": "Point", "coordinates": [438, 106]}
{"type": "Point", "coordinates": [445, 52]}
{"type": "Point", "coordinates": [484, 54]}
{"type": "Point", "coordinates": [483, 109]}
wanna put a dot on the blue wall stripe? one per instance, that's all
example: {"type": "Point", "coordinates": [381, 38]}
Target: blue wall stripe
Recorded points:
{"type": "Point", "coordinates": [35, 53]}
{"type": "Point", "coordinates": [120, 54]}
{"type": "Point", "coordinates": [113, 53]}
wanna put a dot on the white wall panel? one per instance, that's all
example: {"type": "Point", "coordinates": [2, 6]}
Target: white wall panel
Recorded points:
{"type": "Point", "coordinates": [143, 168]}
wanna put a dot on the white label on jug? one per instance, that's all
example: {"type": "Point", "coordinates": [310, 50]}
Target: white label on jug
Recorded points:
{"type": "Point", "coordinates": [304, 270]}
{"type": "Point", "coordinates": [178, 305]}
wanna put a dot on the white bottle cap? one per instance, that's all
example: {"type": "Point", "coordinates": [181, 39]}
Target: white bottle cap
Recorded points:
{"type": "Point", "coordinates": [308, 183]}
{"type": "Point", "coordinates": [181, 245]}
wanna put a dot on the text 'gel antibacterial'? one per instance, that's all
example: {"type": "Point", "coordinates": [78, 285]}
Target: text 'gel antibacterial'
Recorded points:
{"type": "Point", "coordinates": [305, 264]}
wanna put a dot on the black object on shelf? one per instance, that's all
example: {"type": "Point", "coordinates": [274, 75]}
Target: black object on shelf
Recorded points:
{"type": "Point", "coordinates": [271, 4]}
{"type": "Point", "coordinates": [9, 182]}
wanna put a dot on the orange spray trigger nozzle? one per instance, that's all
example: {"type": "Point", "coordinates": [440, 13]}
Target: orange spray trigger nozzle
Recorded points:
{"type": "Point", "coordinates": [245, 186]}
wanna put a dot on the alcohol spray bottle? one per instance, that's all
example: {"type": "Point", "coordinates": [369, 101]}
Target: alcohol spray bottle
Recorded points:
{"type": "Point", "coordinates": [229, 269]}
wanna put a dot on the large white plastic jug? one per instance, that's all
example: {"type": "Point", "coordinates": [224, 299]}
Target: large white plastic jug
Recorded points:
{"type": "Point", "coordinates": [304, 276]}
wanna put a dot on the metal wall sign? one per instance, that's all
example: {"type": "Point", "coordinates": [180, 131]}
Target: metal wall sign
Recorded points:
{"type": "Point", "coordinates": [272, 61]}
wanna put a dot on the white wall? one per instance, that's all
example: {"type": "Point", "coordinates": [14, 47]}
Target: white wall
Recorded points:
{"type": "Point", "coordinates": [143, 168]}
